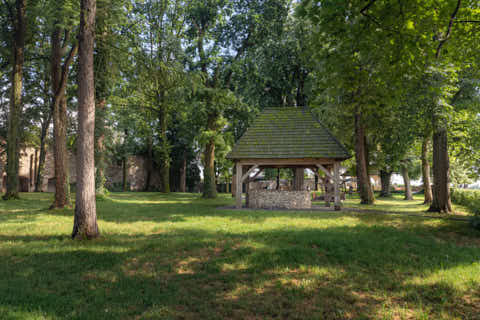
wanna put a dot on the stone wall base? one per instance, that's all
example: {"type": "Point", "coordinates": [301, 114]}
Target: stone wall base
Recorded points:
{"type": "Point", "coordinates": [273, 199]}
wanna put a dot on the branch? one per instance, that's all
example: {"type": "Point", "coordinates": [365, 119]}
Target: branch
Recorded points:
{"type": "Point", "coordinates": [449, 30]}
{"type": "Point", "coordinates": [66, 65]}
{"type": "Point", "coordinates": [367, 6]}
{"type": "Point", "coordinates": [467, 21]}
{"type": "Point", "coordinates": [66, 38]}
{"type": "Point", "coordinates": [363, 13]}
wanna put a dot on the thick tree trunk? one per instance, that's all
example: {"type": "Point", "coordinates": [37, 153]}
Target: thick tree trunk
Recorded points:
{"type": "Point", "coordinates": [60, 154]}
{"type": "Point", "coordinates": [210, 185]}
{"type": "Point", "coordinates": [385, 178]}
{"type": "Point", "coordinates": [85, 221]}
{"type": "Point", "coordinates": [441, 201]}
{"type": "Point", "coordinates": [427, 185]}
{"type": "Point", "coordinates": [165, 152]}
{"type": "Point", "coordinates": [298, 179]}
{"type": "Point", "coordinates": [183, 174]}
{"type": "Point", "coordinates": [43, 152]}
{"type": "Point", "coordinates": [363, 179]}
{"type": "Point", "coordinates": [406, 183]}
{"type": "Point", "coordinates": [59, 75]}
{"type": "Point", "coordinates": [13, 149]}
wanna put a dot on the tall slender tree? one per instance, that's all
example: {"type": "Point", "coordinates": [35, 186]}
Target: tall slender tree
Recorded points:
{"type": "Point", "coordinates": [19, 26]}
{"type": "Point", "coordinates": [85, 221]}
{"type": "Point", "coordinates": [60, 71]}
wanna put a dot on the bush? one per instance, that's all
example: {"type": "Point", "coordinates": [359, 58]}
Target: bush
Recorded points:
{"type": "Point", "coordinates": [471, 200]}
{"type": "Point", "coordinates": [467, 198]}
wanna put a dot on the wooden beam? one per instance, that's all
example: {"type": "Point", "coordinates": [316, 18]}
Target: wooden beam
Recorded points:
{"type": "Point", "coordinates": [305, 162]}
{"type": "Point", "coordinates": [248, 172]}
{"type": "Point", "coordinates": [238, 190]}
{"type": "Point", "coordinates": [319, 166]}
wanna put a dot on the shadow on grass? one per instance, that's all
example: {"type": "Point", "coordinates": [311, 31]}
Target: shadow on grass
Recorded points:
{"type": "Point", "coordinates": [334, 273]}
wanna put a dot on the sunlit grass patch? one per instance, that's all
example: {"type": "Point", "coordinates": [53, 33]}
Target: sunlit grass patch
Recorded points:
{"type": "Point", "coordinates": [180, 257]}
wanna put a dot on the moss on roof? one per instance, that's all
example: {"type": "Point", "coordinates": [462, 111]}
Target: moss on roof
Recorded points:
{"type": "Point", "coordinates": [288, 132]}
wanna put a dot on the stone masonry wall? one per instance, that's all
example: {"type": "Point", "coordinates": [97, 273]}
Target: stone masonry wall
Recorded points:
{"type": "Point", "coordinates": [136, 174]}
{"type": "Point", "coordinates": [269, 199]}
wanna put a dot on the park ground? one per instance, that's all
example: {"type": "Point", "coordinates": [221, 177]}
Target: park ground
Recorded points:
{"type": "Point", "coordinates": [180, 257]}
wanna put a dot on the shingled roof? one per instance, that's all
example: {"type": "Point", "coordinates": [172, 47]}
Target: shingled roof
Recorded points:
{"type": "Point", "coordinates": [288, 133]}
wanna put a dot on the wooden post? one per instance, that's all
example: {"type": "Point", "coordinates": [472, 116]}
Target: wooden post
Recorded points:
{"type": "Point", "coordinates": [336, 181]}
{"type": "Point", "coordinates": [278, 179]}
{"type": "Point", "coordinates": [247, 192]}
{"type": "Point", "coordinates": [238, 186]}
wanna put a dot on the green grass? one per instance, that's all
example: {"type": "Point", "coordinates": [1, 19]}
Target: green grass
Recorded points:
{"type": "Point", "coordinates": [396, 204]}
{"type": "Point", "coordinates": [179, 257]}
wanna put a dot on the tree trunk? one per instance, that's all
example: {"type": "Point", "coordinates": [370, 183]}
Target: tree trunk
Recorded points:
{"type": "Point", "coordinates": [183, 174]}
{"type": "Point", "coordinates": [100, 161]}
{"type": "Point", "coordinates": [30, 182]}
{"type": "Point", "coordinates": [165, 151]}
{"type": "Point", "coordinates": [210, 185]}
{"type": "Point", "coordinates": [406, 183]}
{"type": "Point", "coordinates": [2, 168]}
{"type": "Point", "coordinates": [43, 152]}
{"type": "Point", "coordinates": [124, 174]}
{"type": "Point", "coordinates": [363, 179]}
{"type": "Point", "coordinates": [427, 185]}
{"type": "Point", "coordinates": [386, 177]}
{"type": "Point", "coordinates": [102, 79]}
{"type": "Point", "coordinates": [125, 163]}
{"type": "Point", "coordinates": [85, 221]}
{"type": "Point", "coordinates": [441, 201]}
{"type": "Point", "coordinates": [59, 74]}
{"type": "Point", "coordinates": [13, 149]}
{"type": "Point", "coordinates": [60, 155]}
{"type": "Point", "coordinates": [35, 168]}
{"type": "Point", "coordinates": [298, 179]}
{"type": "Point", "coordinates": [149, 165]}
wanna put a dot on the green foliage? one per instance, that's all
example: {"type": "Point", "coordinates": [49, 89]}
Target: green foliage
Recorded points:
{"type": "Point", "coordinates": [471, 200]}
{"type": "Point", "coordinates": [467, 198]}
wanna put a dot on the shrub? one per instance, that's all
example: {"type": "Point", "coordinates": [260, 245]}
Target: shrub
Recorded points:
{"type": "Point", "coordinates": [467, 198]}
{"type": "Point", "coordinates": [471, 200]}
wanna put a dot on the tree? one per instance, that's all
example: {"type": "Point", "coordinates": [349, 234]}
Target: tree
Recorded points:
{"type": "Point", "coordinates": [19, 24]}
{"type": "Point", "coordinates": [62, 55]}
{"type": "Point", "coordinates": [216, 47]}
{"type": "Point", "coordinates": [85, 221]}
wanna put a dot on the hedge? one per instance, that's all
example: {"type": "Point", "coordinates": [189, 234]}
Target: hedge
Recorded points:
{"type": "Point", "coordinates": [469, 199]}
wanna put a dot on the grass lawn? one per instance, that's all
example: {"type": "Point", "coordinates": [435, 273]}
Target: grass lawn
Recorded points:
{"type": "Point", "coordinates": [179, 257]}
